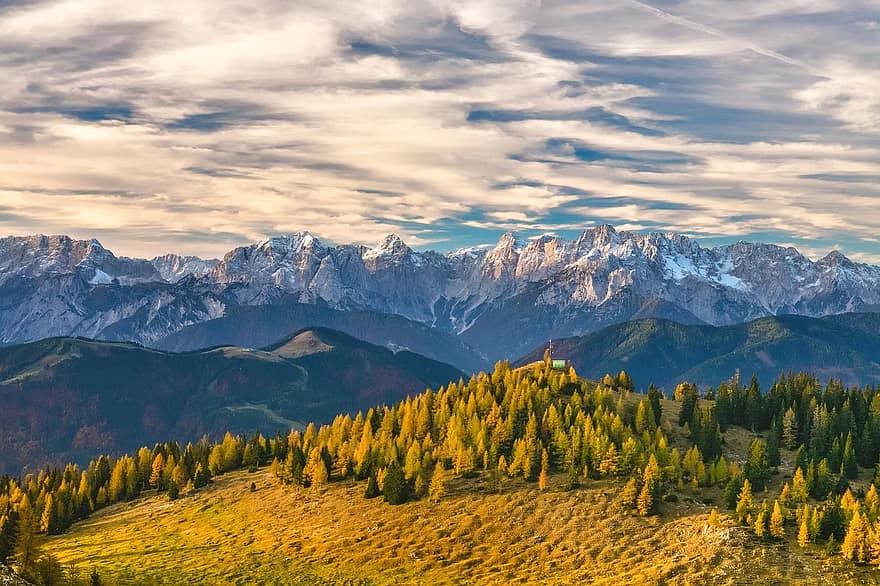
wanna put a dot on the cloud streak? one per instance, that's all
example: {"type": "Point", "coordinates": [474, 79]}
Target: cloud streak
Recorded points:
{"type": "Point", "coordinates": [444, 121]}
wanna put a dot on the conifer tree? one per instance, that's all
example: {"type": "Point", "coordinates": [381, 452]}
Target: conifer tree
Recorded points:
{"type": "Point", "coordinates": [856, 543]}
{"type": "Point", "coordinates": [27, 545]}
{"type": "Point", "coordinates": [760, 524]}
{"type": "Point", "coordinates": [777, 520]}
{"type": "Point", "coordinates": [630, 492]}
{"type": "Point", "coordinates": [437, 488]}
{"type": "Point", "coordinates": [790, 429]}
{"type": "Point", "coordinates": [542, 477]}
{"type": "Point", "coordinates": [394, 486]}
{"type": "Point", "coordinates": [799, 490]}
{"type": "Point", "coordinates": [372, 490]}
{"type": "Point", "coordinates": [745, 504]}
{"type": "Point", "coordinates": [849, 467]}
{"type": "Point", "coordinates": [803, 537]}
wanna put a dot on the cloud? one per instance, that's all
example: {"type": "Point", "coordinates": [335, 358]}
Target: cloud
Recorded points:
{"type": "Point", "coordinates": [194, 126]}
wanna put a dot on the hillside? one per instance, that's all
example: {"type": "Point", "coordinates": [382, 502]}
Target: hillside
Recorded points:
{"type": "Point", "coordinates": [67, 399]}
{"type": "Point", "coordinates": [512, 533]}
{"type": "Point", "coordinates": [846, 347]}
{"type": "Point", "coordinates": [256, 326]}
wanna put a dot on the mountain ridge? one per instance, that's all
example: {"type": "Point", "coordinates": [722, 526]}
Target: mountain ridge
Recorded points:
{"type": "Point", "coordinates": [500, 301]}
{"type": "Point", "coordinates": [845, 347]}
{"type": "Point", "coordinates": [67, 398]}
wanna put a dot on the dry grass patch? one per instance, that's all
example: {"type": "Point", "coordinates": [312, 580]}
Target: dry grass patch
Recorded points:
{"type": "Point", "coordinates": [225, 534]}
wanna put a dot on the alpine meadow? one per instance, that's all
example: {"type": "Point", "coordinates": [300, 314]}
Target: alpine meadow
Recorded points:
{"type": "Point", "coordinates": [465, 292]}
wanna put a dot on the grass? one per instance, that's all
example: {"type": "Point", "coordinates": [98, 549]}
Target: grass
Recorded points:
{"type": "Point", "coordinates": [226, 534]}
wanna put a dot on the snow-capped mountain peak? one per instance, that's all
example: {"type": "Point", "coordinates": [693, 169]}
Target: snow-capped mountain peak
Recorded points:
{"type": "Point", "coordinates": [548, 285]}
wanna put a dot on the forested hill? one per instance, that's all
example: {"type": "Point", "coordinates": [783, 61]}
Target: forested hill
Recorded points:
{"type": "Point", "coordinates": [66, 399]}
{"type": "Point", "coordinates": [844, 347]}
{"type": "Point", "coordinates": [790, 472]}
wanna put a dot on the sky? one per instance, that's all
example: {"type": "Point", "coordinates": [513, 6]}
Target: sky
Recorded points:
{"type": "Point", "coordinates": [196, 126]}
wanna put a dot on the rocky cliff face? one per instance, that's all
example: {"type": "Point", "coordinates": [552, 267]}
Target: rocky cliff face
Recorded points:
{"type": "Point", "coordinates": [500, 300]}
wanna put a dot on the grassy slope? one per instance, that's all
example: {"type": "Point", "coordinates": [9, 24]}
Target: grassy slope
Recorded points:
{"type": "Point", "coordinates": [225, 534]}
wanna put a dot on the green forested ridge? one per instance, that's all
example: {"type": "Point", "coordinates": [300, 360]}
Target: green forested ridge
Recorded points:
{"type": "Point", "coordinates": [844, 347]}
{"type": "Point", "coordinates": [115, 397]}
{"type": "Point", "coordinates": [533, 423]}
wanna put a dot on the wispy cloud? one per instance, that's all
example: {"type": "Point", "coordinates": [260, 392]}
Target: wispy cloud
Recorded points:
{"type": "Point", "coordinates": [193, 126]}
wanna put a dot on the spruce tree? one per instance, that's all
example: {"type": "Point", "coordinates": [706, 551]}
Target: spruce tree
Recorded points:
{"type": "Point", "coordinates": [849, 468]}
{"type": "Point", "coordinates": [372, 490]}
{"type": "Point", "coordinates": [395, 487]}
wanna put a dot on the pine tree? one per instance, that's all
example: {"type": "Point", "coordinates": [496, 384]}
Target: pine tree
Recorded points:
{"type": "Point", "coordinates": [777, 520]}
{"type": "Point", "coordinates": [714, 518]}
{"type": "Point", "coordinates": [799, 490]}
{"type": "Point", "coordinates": [27, 545]}
{"type": "Point", "coordinates": [654, 396]}
{"type": "Point", "coordinates": [437, 488]}
{"type": "Point", "coordinates": [630, 492]}
{"type": "Point", "coordinates": [395, 487]}
{"type": "Point", "coordinates": [790, 429]}
{"type": "Point", "coordinates": [156, 471]}
{"type": "Point", "coordinates": [760, 525]}
{"type": "Point", "coordinates": [542, 477]}
{"type": "Point", "coordinates": [372, 490]}
{"type": "Point", "coordinates": [745, 505]}
{"type": "Point", "coordinates": [849, 468]}
{"type": "Point", "coordinates": [758, 465]}
{"type": "Point", "coordinates": [803, 537]}
{"type": "Point", "coordinates": [645, 502]}
{"type": "Point", "coordinates": [872, 503]}
{"type": "Point", "coordinates": [856, 544]}
{"type": "Point", "coordinates": [687, 394]}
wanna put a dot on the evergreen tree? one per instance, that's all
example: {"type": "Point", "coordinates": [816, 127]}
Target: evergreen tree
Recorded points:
{"type": "Point", "coordinates": [630, 492]}
{"type": "Point", "coordinates": [790, 429]}
{"type": "Point", "coordinates": [395, 486]}
{"type": "Point", "coordinates": [856, 543]}
{"type": "Point", "coordinates": [437, 489]}
{"type": "Point", "coordinates": [758, 465]}
{"type": "Point", "coordinates": [654, 396]}
{"type": "Point", "coordinates": [773, 440]}
{"type": "Point", "coordinates": [803, 537]}
{"type": "Point", "coordinates": [745, 505]}
{"type": "Point", "coordinates": [849, 468]}
{"type": "Point", "coordinates": [542, 477]}
{"type": "Point", "coordinates": [372, 490]}
{"type": "Point", "coordinates": [687, 394]}
{"type": "Point", "coordinates": [777, 520]}
{"type": "Point", "coordinates": [27, 545]}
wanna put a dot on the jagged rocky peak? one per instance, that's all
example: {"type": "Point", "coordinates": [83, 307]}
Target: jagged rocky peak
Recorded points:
{"type": "Point", "coordinates": [835, 258]}
{"type": "Point", "coordinates": [391, 245]}
{"type": "Point", "coordinates": [291, 243]}
{"type": "Point", "coordinates": [174, 267]}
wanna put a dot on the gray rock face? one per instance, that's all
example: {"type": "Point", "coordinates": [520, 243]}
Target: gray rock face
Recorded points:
{"type": "Point", "coordinates": [500, 300]}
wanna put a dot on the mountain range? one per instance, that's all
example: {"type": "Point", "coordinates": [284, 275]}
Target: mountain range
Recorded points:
{"type": "Point", "coordinates": [68, 399]}
{"type": "Point", "coordinates": [500, 301]}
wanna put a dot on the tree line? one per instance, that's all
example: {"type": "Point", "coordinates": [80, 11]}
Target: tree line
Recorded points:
{"type": "Point", "coordinates": [529, 423]}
